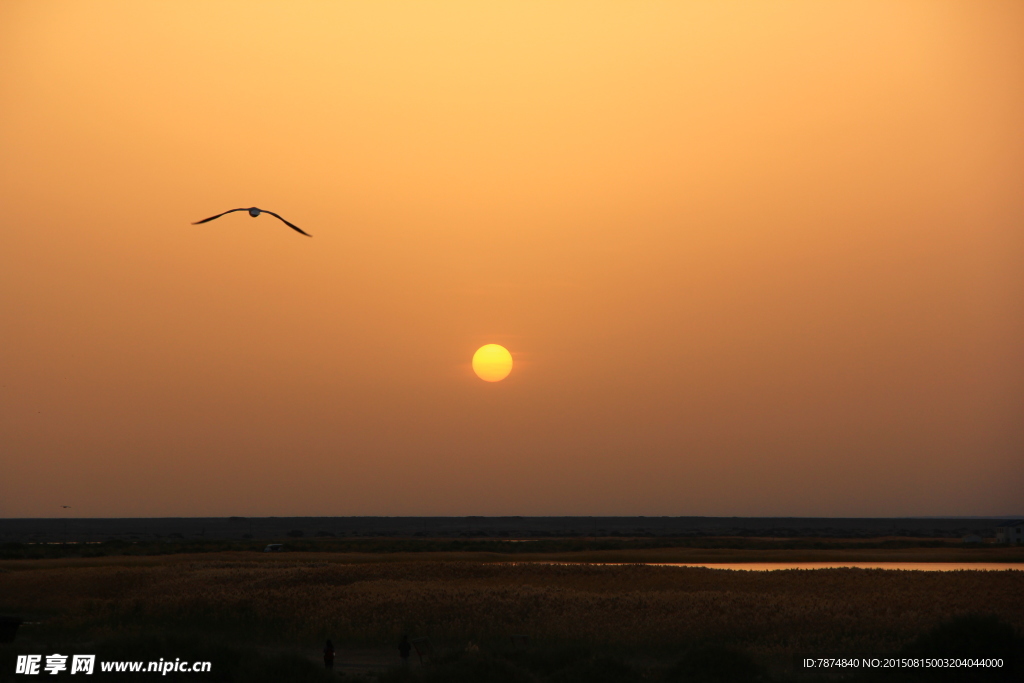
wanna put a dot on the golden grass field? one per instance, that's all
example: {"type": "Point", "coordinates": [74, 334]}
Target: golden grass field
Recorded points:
{"type": "Point", "coordinates": [372, 600]}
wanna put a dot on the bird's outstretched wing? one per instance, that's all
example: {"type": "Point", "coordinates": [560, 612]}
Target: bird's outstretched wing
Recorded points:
{"type": "Point", "coordinates": [207, 220]}
{"type": "Point", "coordinates": [293, 227]}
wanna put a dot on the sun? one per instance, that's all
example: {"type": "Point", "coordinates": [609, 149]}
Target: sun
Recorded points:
{"type": "Point", "coordinates": [492, 362]}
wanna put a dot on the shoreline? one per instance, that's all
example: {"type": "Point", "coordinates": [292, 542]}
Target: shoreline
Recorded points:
{"type": "Point", "coordinates": [650, 557]}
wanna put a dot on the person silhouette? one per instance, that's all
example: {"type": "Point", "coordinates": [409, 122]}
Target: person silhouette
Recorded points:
{"type": "Point", "coordinates": [329, 656]}
{"type": "Point", "coordinates": [403, 649]}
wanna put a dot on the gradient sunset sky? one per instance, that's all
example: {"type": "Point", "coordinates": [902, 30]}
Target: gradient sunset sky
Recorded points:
{"type": "Point", "coordinates": [750, 258]}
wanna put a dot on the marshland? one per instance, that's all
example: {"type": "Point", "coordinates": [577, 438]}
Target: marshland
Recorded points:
{"type": "Point", "coordinates": [492, 616]}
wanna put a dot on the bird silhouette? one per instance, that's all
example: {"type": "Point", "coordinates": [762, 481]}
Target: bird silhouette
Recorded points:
{"type": "Point", "coordinates": [65, 506]}
{"type": "Point", "coordinates": [253, 211]}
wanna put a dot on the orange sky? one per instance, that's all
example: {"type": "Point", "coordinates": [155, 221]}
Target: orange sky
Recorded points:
{"type": "Point", "coordinates": [750, 258]}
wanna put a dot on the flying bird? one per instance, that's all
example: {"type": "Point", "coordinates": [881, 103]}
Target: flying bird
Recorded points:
{"type": "Point", "coordinates": [255, 212]}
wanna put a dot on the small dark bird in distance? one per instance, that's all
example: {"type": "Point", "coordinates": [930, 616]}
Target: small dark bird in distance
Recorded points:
{"type": "Point", "coordinates": [254, 212]}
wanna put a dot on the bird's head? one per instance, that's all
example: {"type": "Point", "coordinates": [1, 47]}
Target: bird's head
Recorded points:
{"type": "Point", "coordinates": [254, 212]}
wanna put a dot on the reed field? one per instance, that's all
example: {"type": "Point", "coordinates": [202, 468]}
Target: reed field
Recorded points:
{"type": "Point", "coordinates": [306, 598]}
